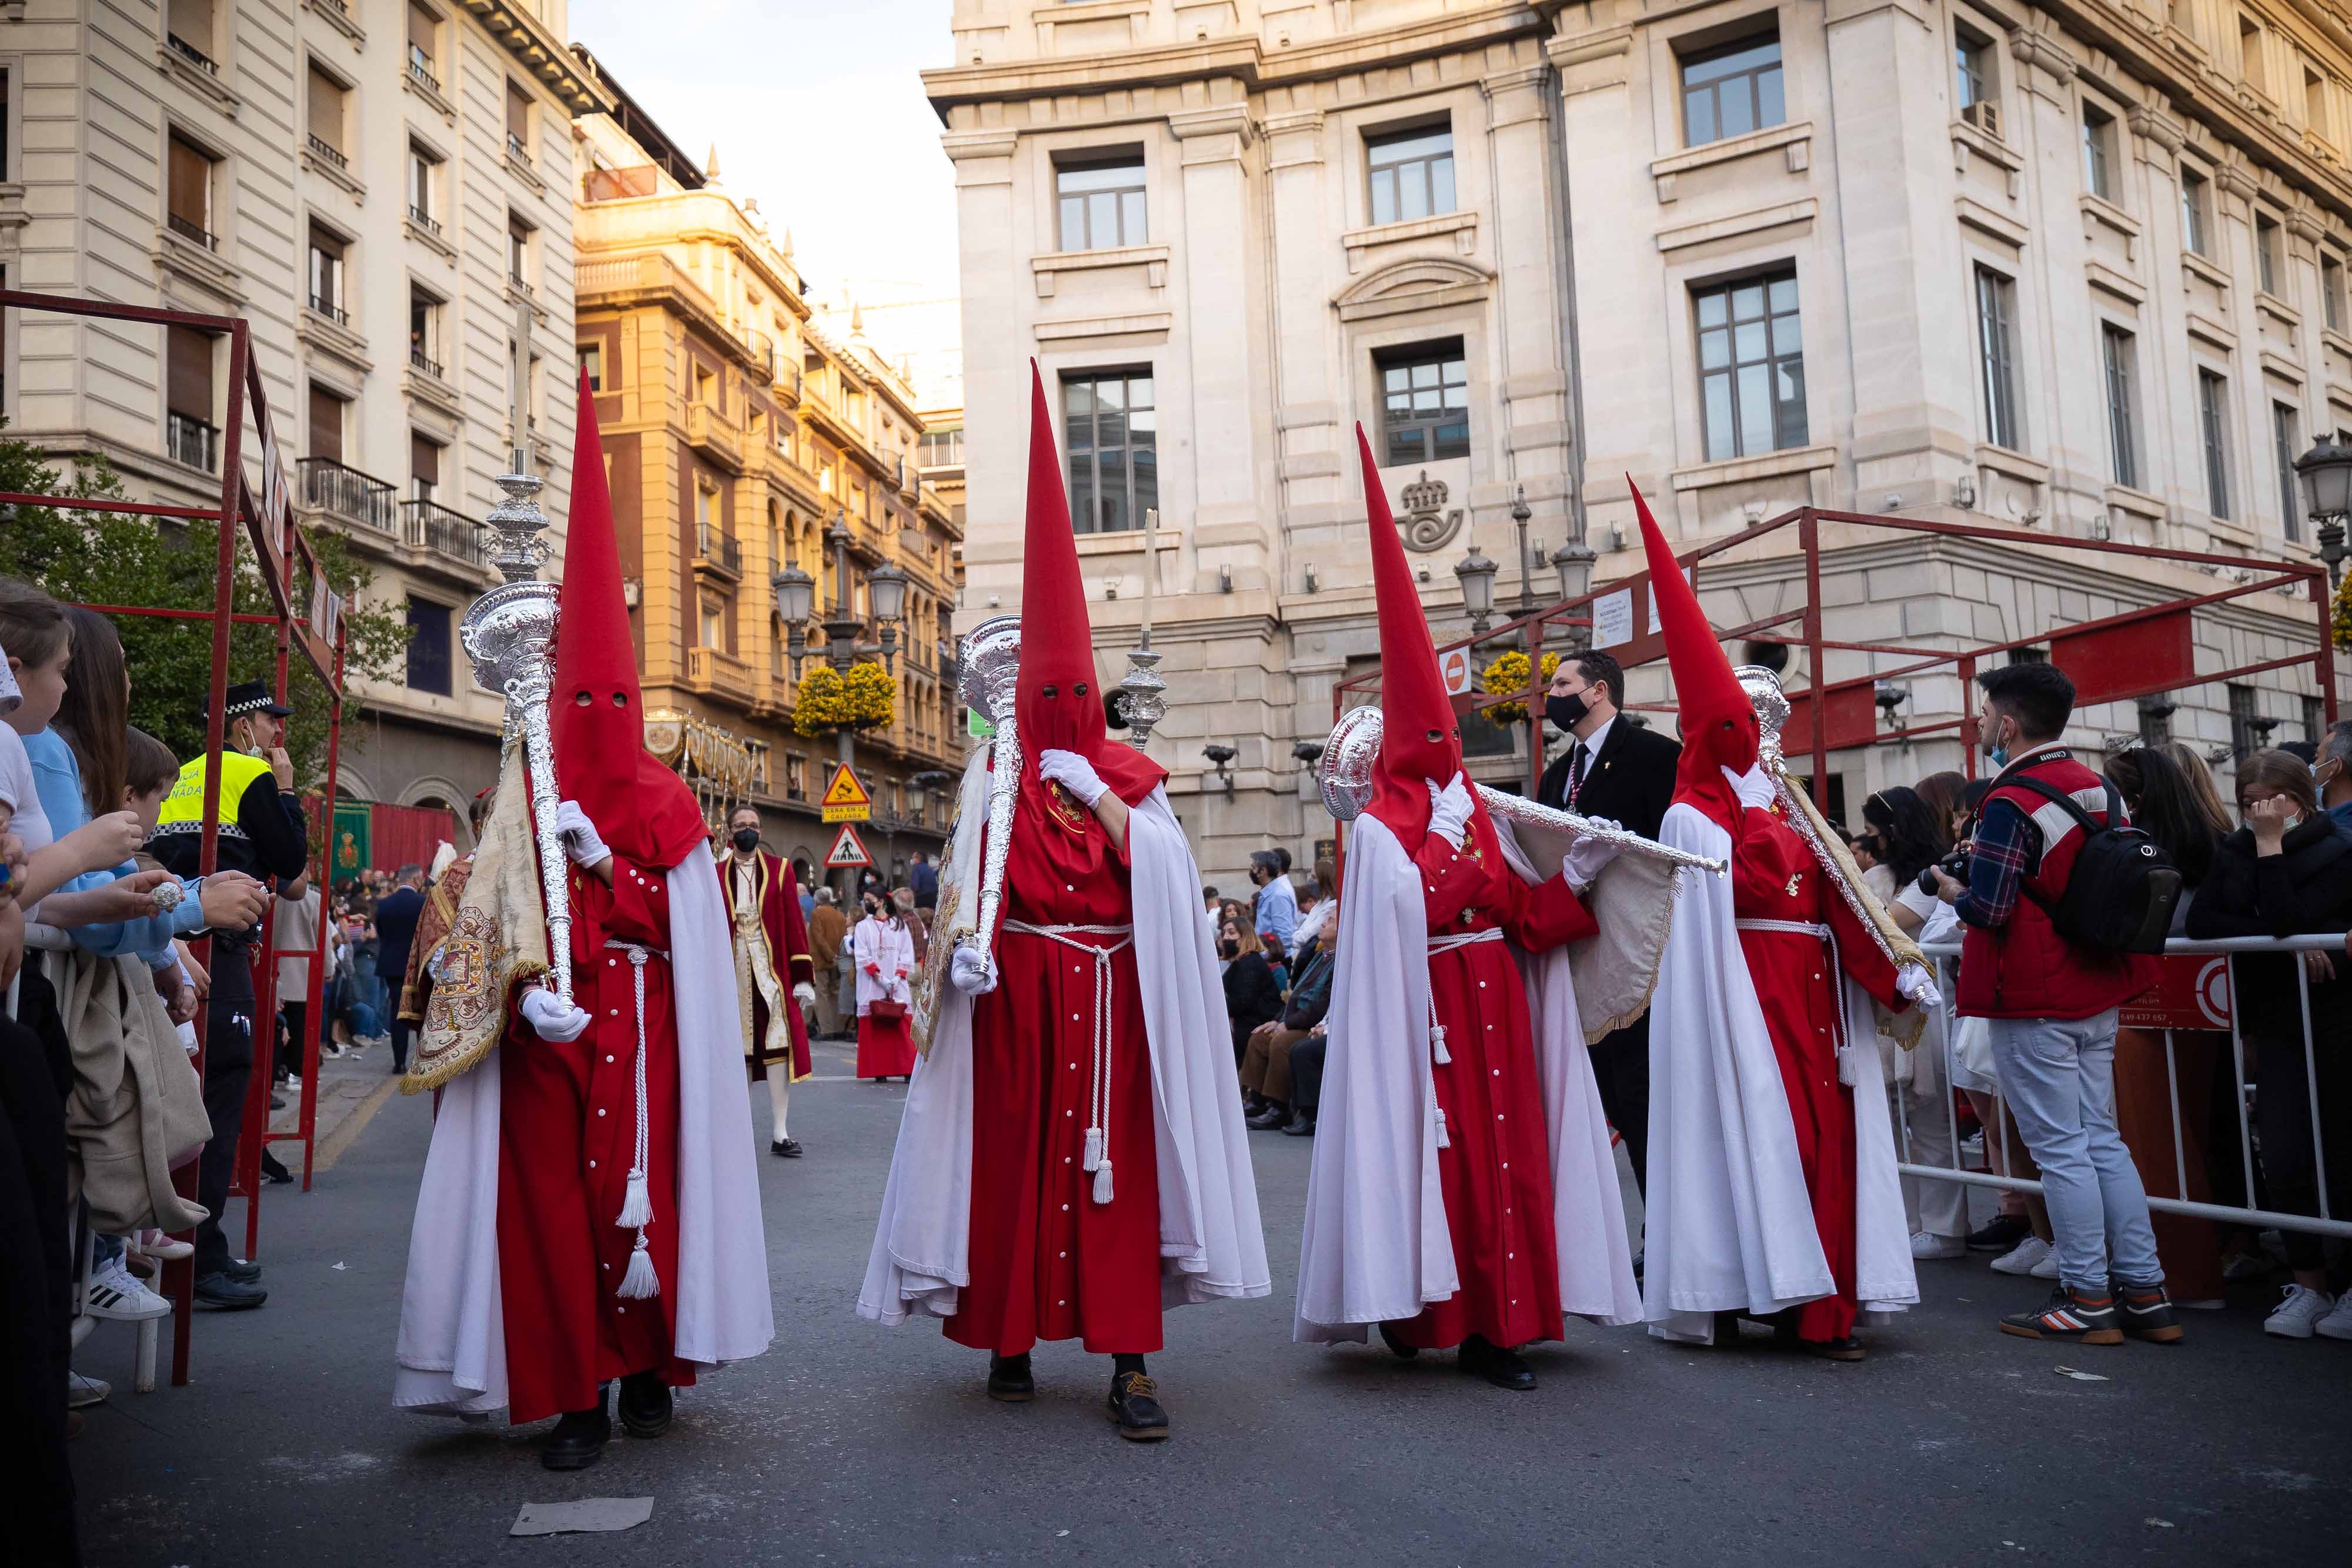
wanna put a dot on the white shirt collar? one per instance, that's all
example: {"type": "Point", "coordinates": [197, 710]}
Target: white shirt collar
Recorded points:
{"type": "Point", "coordinates": [1592, 746]}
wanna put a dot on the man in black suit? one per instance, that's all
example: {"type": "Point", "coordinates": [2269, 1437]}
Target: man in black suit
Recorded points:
{"type": "Point", "coordinates": [1612, 769]}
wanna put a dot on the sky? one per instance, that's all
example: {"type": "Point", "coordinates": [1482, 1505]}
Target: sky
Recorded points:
{"type": "Point", "coordinates": [818, 112]}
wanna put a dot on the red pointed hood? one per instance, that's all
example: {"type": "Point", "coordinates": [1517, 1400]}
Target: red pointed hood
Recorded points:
{"type": "Point", "coordinates": [1421, 740]}
{"type": "Point", "coordinates": [1718, 723]}
{"type": "Point", "coordinates": [1057, 701]}
{"type": "Point", "coordinates": [644, 812]}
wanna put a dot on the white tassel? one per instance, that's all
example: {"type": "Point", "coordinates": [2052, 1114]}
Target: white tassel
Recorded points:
{"type": "Point", "coordinates": [1102, 1181]}
{"type": "Point", "coordinates": [1443, 1141]}
{"type": "Point", "coordinates": [637, 1208]}
{"type": "Point", "coordinates": [1094, 1148]}
{"type": "Point", "coordinates": [1437, 1042]}
{"type": "Point", "coordinates": [641, 1282]}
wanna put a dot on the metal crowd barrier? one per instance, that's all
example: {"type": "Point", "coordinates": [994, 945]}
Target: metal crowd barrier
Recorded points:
{"type": "Point", "coordinates": [2208, 993]}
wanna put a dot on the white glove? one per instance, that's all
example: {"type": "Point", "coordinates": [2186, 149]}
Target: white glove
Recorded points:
{"type": "Point", "coordinates": [1073, 773]}
{"type": "Point", "coordinates": [545, 1012]}
{"type": "Point", "coordinates": [804, 994]}
{"type": "Point", "coordinates": [1585, 857]}
{"type": "Point", "coordinates": [1918, 983]}
{"type": "Point", "coordinates": [581, 840]}
{"type": "Point", "coordinates": [1449, 808]}
{"type": "Point", "coordinates": [971, 971]}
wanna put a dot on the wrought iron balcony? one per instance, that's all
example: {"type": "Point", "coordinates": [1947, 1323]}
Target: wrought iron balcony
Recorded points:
{"type": "Point", "coordinates": [433, 528]}
{"type": "Point", "coordinates": [190, 230]}
{"type": "Point", "coordinates": [327, 150]}
{"type": "Point", "coordinates": [192, 441]}
{"type": "Point", "coordinates": [518, 149]}
{"type": "Point", "coordinates": [717, 550]}
{"type": "Point", "coordinates": [420, 66]}
{"type": "Point", "coordinates": [190, 53]}
{"type": "Point", "coordinates": [333, 312]}
{"type": "Point", "coordinates": [349, 495]}
{"type": "Point", "coordinates": [424, 219]}
{"type": "Point", "coordinates": [424, 361]}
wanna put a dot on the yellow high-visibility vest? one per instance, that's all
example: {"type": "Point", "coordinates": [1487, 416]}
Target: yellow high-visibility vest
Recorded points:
{"type": "Point", "coordinates": [183, 807]}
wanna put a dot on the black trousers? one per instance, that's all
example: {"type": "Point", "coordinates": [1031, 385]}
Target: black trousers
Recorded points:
{"type": "Point", "coordinates": [228, 1069]}
{"type": "Point", "coordinates": [2283, 1124]}
{"type": "Point", "coordinates": [35, 1279]}
{"type": "Point", "coordinates": [1307, 1073]}
{"type": "Point", "coordinates": [1621, 1065]}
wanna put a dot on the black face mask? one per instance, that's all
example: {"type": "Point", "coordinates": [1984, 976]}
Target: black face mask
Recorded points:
{"type": "Point", "coordinates": [1566, 713]}
{"type": "Point", "coordinates": [1232, 949]}
{"type": "Point", "coordinates": [747, 839]}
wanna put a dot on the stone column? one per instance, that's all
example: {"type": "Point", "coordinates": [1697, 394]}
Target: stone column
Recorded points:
{"type": "Point", "coordinates": [1527, 304]}
{"type": "Point", "coordinates": [996, 350]}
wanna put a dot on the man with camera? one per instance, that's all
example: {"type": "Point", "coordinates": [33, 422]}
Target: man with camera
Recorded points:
{"type": "Point", "coordinates": [2049, 1007]}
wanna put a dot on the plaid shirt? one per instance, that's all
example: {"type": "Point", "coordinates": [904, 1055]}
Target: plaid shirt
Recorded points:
{"type": "Point", "coordinates": [2006, 847]}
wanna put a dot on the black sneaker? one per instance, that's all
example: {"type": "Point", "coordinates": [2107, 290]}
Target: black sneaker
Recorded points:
{"type": "Point", "coordinates": [645, 1405]}
{"type": "Point", "coordinates": [2145, 1312]}
{"type": "Point", "coordinates": [1009, 1378]}
{"type": "Point", "coordinates": [579, 1438]}
{"type": "Point", "coordinates": [2083, 1316]}
{"type": "Point", "coordinates": [2000, 1233]}
{"type": "Point", "coordinates": [786, 1148]}
{"type": "Point", "coordinates": [1481, 1358]}
{"type": "Point", "coordinates": [243, 1272]}
{"type": "Point", "coordinates": [1135, 1407]}
{"type": "Point", "coordinates": [221, 1294]}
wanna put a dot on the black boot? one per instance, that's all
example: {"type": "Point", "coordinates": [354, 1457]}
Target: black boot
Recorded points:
{"type": "Point", "coordinates": [1481, 1357]}
{"type": "Point", "coordinates": [1135, 1407]}
{"type": "Point", "coordinates": [579, 1438]}
{"type": "Point", "coordinates": [1009, 1379]}
{"type": "Point", "coordinates": [645, 1405]}
{"type": "Point", "coordinates": [1397, 1347]}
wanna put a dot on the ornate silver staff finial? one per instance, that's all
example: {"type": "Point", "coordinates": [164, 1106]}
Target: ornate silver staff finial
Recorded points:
{"type": "Point", "coordinates": [1771, 704]}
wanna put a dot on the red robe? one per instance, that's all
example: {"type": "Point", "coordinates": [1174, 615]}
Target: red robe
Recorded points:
{"type": "Point", "coordinates": [567, 1136]}
{"type": "Point", "coordinates": [1046, 1261]}
{"type": "Point", "coordinates": [1775, 876]}
{"type": "Point", "coordinates": [1496, 1173]}
{"type": "Point", "coordinates": [787, 958]}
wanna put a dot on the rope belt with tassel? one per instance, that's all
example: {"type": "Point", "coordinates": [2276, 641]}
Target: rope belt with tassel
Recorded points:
{"type": "Point", "coordinates": [637, 1206]}
{"type": "Point", "coordinates": [1438, 1054]}
{"type": "Point", "coordinates": [1841, 1047]}
{"type": "Point", "coordinates": [1097, 1158]}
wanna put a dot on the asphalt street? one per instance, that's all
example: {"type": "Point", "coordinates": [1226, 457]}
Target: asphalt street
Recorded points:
{"type": "Point", "coordinates": [847, 1442]}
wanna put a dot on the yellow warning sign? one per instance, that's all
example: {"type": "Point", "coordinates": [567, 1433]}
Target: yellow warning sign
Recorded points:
{"type": "Point", "coordinates": [846, 799]}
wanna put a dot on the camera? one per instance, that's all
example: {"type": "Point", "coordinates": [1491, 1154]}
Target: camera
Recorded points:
{"type": "Point", "coordinates": [1954, 865]}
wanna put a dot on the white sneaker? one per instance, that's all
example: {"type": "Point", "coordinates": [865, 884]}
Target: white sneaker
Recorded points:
{"type": "Point", "coordinates": [2048, 1268]}
{"type": "Point", "coordinates": [2300, 1312]}
{"type": "Point", "coordinates": [2337, 1325]}
{"type": "Point", "coordinates": [1926, 1244]}
{"type": "Point", "coordinates": [2023, 1258]}
{"type": "Point", "coordinates": [114, 1293]}
{"type": "Point", "coordinates": [83, 1391]}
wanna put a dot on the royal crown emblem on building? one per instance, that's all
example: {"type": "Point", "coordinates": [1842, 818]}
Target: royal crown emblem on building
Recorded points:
{"type": "Point", "coordinates": [1427, 525]}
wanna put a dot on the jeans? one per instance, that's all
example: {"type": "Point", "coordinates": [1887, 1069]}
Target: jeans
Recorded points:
{"type": "Point", "coordinates": [2058, 1076]}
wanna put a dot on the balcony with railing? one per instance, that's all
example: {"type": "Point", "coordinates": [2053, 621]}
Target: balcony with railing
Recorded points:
{"type": "Point", "coordinates": [518, 149]}
{"type": "Point", "coordinates": [420, 68]}
{"type": "Point", "coordinates": [192, 231]}
{"type": "Point", "coordinates": [424, 220]}
{"type": "Point", "coordinates": [717, 672]}
{"type": "Point", "coordinates": [324, 303]}
{"type": "Point", "coordinates": [717, 551]}
{"type": "Point", "coordinates": [453, 537]}
{"type": "Point", "coordinates": [190, 53]}
{"type": "Point", "coordinates": [192, 441]}
{"type": "Point", "coordinates": [349, 497]}
{"type": "Point", "coordinates": [327, 152]}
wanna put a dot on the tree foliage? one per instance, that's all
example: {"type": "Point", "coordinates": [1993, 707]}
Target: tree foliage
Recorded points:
{"type": "Point", "coordinates": [127, 559]}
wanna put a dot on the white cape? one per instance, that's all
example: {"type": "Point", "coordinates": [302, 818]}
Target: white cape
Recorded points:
{"type": "Point", "coordinates": [452, 1346]}
{"type": "Point", "coordinates": [1729, 1222]}
{"type": "Point", "coordinates": [1211, 1246]}
{"type": "Point", "coordinates": [1377, 1247]}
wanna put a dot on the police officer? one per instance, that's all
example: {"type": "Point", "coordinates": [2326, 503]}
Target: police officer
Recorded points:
{"type": "Point", "coordinates": [263, 834]}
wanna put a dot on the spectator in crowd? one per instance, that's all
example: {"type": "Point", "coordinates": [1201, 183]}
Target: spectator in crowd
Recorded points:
{"type": "Point", "coordinates": [1268, 1084]}
{"type": "Point", "coordinates": [395, 928]}
{"type": "Point", "coordinates": [1277, 960]}
{"type": "Point", "coordinates": [923, 882]}
{"type": "Point", "coordinates": [2333, 771]}
{"type": "Point", "coordinates": [1212, 913]}
{"type": "Point", "coordinates": [885, 957]}
{"type": "Point", "coordinates": [808, 901]}
{"type": "Point", "coordinates": [1277, 903]}
{"type": "Point", "coordinates": [828, 934]}
{"type": "Point", "coordinates": [1253, 996]}
{"type": "Point", "coordinates": [2050, 1010]}
{"type": "Point", "coordinates": [911, 915]}
{"type": "Point", "coordinates": [2288, 872]}
{"type": "Point", "coordinates": [1943, 794]}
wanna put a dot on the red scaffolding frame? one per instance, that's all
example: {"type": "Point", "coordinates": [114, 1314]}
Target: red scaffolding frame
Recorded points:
{"type": "Point", "coordinates": [278, 548]}
{"type": "Point", "coordinates": [2117, 658]}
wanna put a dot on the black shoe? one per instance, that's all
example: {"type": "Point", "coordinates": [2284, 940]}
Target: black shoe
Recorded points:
{"type": "Point", "coordinates": [243, 1272]}
{"type": "Point", "coordinates": [1638, 1259]}
{"type": "Point", "coordinates": [2000, 1233]}
{"type": "Point", "coordinates": [1846, 1349]}
{"type": "Point", "coordinates": [273, 1169]}
{"type": "Point", "coordinates": [1481, 1357]}
{"type": "Point", "coordinates": [1135, 1407]}
{"type": "Point", "coordinates": [786, 1148]}
{"type": "Point", "coordinates": [1271, 1119]}
{"type": "Point", "coordinates": [1009, 1379]}
{"type": "Point", "coordinates": [2086, 1317]}
{"type": "Point", "coordinates": [1301, 1125]}
{"type": "Point", "coordinates": [220, 1293]}
{"type": "Point", "coordinates": [2145, 1312]}
{"type": "Point", "coordinates": [1397, 1347]}
{"type": "Point", "coordinates": [278, 1102]}
{"type": "Point", "coordinates": [644, 1405]}
{"type": "Point", "coordinates": [579, 1438]}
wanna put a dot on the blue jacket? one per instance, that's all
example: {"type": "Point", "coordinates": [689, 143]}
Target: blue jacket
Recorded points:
{"type": "Point", "coordinates": [57, 777]}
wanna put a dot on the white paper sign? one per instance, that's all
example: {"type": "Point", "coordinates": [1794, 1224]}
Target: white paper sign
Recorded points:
{"type": "Point", "coordinates": [1612, 619]}
{"type": "Point", "coordinates": [1654, 627]}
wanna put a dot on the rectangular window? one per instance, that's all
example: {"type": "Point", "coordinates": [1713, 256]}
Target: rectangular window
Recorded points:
{"type": "Point", "coordinates": [2267, 270]}
{"type": "Point", "coordinates": [189, 435]}
{"type": "Point", "coordinates": [1972, 64]}
{"type": "Point", "coordinates": [1111, 429]}
{"type": "Point", "coordinates": [327, 118]}
{"type": "Point", "coordinates": [2315, 719]}
{"type": "Point", "coordinates": [1102, 205]}
{"type": "Point", "coordinates": [518, 267]}
{"type": "Point", "coordinates": [423, 188]}
{"type": "Point", "coordinates": [189, 201]}
{"type": "Point", "coordinates": [1996, 350]}
{"type": "Point", "coordinates": [425, 332]}
{"type": "Point", "coordinates": [1425, 403]}
{"type": "Point", "coordinates": [519, 121]}
{"type": "Point", "coordinates": [428, 647]}
{"type": "Point", "coordinates": [1751, 366]}
{"type": "Point", "coordinates": [189, 30]}
{"type": "Point", "coordinates": [2283, 442]}
{"type": "Point", "coordinates": [2331, 292]}
{"type": "Point", "coordinates": [424, 466]}
{"type": "Point", "coordinates": [2315, 103]}
{"type": "Point", "coordinates": [1411, 174]}
{"type": "Point", "coordinates": [2196, 212]}
{"type": "Point", "coordinates": [2098, 151]}
{"type": "Point", "coordinates": [327, 296]}
{"type": "Point", "coordinates": [2244, 708]}
{"type": "Point", "coordinates": [591, 365]}
{"type": "Point", "coordinates": [714, 626]}
{"type": "Point", "coordinates": [423, 45]}
{"type": "Point", "coordinates": [2212, 399]}
{"type": "Point", "coordinates": [2156, 712]}
{"type": "Point", "coordinates": [2250, 56]}
{"type": "Point", "coordinates": [1732, 90]}
{"type": "Point", "coordinates": [327, 411]}
{"type": "Point", "coordinates": [2123, 438]}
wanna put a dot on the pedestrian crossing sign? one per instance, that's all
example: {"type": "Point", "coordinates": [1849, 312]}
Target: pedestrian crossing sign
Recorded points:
{"type": "Point", "coordinates": [846, 799]}
{"type": "Point", "coordinates": [848, 850]}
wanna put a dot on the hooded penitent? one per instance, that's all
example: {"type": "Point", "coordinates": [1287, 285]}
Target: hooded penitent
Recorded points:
{"type": "Point", "coordinates": [1055, 704]}
{"type": "Point", "coordinates": [644, 811]}
{"type": "Point", "coordinates": [1718, 723]}
{"type": "Point", "coordinates": [1421, 741]}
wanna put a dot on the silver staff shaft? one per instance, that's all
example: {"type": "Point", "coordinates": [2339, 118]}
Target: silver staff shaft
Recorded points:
{"type": "Point", "coordinates": [1502, 804]}
{"type": "Point", "coordinates": [528, 698]}
{"type": "Point", "coordinates": [1004, 793]}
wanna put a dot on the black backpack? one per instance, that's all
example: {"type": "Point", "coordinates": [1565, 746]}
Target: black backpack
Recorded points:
{"type": "Point", "coordinates": [2120, 896]}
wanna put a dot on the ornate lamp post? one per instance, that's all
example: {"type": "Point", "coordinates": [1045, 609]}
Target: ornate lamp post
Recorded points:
{"type": "Point", "coordinates": [1520, 514]}
{"type": "Point", "coordinates": [1477, 575]}
{"type": "Point", "coordinates": [2324, 473]}
{"type": "Point", "coordinates": [796, 601]}
{"type": "Point", "coordinates": [795, 606]}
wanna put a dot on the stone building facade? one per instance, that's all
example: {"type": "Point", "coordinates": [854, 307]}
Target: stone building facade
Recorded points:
{"type": "Point", "coordinates": [381, 188]}
{"type": "Point", "coordinates": [738, 432]}
{"type": "Point", "coordinates": [2060, 271]}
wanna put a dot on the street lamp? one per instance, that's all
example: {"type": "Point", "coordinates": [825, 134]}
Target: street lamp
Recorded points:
{"type": "Point", "coordinates": [886, 589]}
{"type": "Point", "coordinates": [2324, 473]}
{"type": "Point", "coordinates": [1520, 514]}
{"type": "Point", "coordinates": [795, 602]}
{"type": "Point", "coordinates": [1477, 576]}
{"type": "Point", "coordinates": [796, 605]}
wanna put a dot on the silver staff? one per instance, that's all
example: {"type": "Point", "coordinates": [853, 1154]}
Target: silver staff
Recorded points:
{"type": "Point", "coordinates": [1353, 752]}
{"type": "Point", "coordinates": [509, 635]}
{"type": "Point", "coordinates": [990, 672]}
